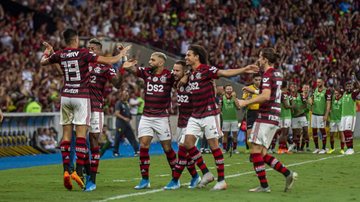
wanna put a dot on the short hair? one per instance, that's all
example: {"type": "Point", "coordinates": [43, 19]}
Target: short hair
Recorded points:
{"type": "Point", "coordinates": [256, 75]}
{"type": "Point", "coordinates": [96, 42]}
{"type": "Point", "coordinates": [270, 54]}
{"type": "Point", "coordinates": [181, 62]}
{"type": "Point", "coordinates": [69, 34]}
{"type": "Point", "coordinates": [160, 55]}
{"type": "Point", "coordinates": [227, 86]}
{"type": "Point", "coordinates": [201, 52]}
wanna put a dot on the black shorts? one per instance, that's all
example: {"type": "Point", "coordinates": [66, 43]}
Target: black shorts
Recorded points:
{"type": "Point", "coordinates": [251, 116]}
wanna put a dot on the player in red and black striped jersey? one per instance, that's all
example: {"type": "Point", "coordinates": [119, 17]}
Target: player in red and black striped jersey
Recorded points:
{"type": "Point", "coordinates": [75, 97]}
{"type": "Point", "coordinates": [267, 122]}
{"type": "Point", "coordinates": [205, 116]}
{"type": "Point", "coordinates": [100, 74]}
{"type": "Point", "coordinates": [155, 119]}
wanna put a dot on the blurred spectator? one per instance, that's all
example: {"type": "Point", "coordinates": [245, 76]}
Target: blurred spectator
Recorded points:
{"type": "Point", "coordinates": [47, 140]}
{"type": "Point", "coordinates": [106, 140]}
{"type": "Point", "coordinates": [313, 37]}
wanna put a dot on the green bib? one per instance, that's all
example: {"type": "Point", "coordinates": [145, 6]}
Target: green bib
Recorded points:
{"type": "Point", "coordinates": [229, 110]}
{"type": "Point", "coordinates": [335, 113]}
{"type": "Point", "coordinates": [348, 105]}
{"type": "Point", "coordinates": [319, 104]}
{"type": "Point", "coordinates": [285, 113]}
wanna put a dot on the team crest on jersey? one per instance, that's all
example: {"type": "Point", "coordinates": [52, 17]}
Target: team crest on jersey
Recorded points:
{"type": "Point", "coordinates": [187, 88]}
{"type": "Point", "coordinates": [90, 68]}
{"type": "Point", "coordinates": [97, 70]}
{"type": "Point", "coordinates": [181, 89]}
{"type": "Point", "coordinates": [192, 77]}
{"type": "Point", "coordinates": [155, 79]}
{"type": "Point", "coordinates": [198, 75]}
{"type": "Point", "coordinates": [265, 79]}
{"type": "Point", "coordinates": [163, 79]}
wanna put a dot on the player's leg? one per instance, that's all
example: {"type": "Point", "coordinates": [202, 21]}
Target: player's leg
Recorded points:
{"type": "Point", "coordinates": [226, 131]}
{"type": "Point", "coordinates": [129, 134]}
{"type": "Point", "coordinates": [315, 133]}
{"type": "Point", "coordinates": [145, 136]}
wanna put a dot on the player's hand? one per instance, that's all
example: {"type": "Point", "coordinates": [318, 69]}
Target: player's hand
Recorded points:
{"type": "Point", "coordinates": [130, 63]}
{"type": "Point", "coordinates": [242, 103]}
{"type": "Point", "coordinates": [251, 69]}
{"type": "Point", "coordinates": [48, 48]}
{"type": "Point", "coordinates": [247, 89]}
{"type": "Point", "coordinates": [233, 94]}
{"type": "Point", "coordinates": [124, 50]}
{"type": "Point", "coordinates": [183, 81]}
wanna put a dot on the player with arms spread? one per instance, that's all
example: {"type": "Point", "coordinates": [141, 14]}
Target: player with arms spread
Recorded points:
{"type": "Point", "coordinates": [267, 122]}
{"type": "Point", "coordinates": [75, 98]}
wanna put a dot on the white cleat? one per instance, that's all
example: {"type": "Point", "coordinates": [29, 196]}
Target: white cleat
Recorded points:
{"type": "Point", "coordinates": [291, 147]}
{"type": "Point", "coordinates": [260, 189]}
{"type": "Point", "coordinates": [290, 180]}
{"type": "Point", "coordinates": [323, 151]}
{"type": "Point", "coordinates": [349, 151]}
{"type": "Point", "coordinates": [316, 151]}
{"type": "Point", "coordinates": [220, 185]}
{"type": "Point", "coordinates": [206, 179]}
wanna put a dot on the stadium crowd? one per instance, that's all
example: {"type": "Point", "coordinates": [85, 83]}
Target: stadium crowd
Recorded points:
{"type": "Point", "coordinates": [312, 41]}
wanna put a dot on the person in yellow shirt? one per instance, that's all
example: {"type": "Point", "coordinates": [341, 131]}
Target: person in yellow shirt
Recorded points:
{"type": "Point", "coordinates": [249, 92]}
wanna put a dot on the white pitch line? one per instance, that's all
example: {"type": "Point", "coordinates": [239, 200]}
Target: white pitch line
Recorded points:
{"type": "Point", "coordinates": [228, 176]}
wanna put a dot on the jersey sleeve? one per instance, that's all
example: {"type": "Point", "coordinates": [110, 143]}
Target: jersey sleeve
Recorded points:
{"type": "Point", "coordinates": [211, 72]}
{"type": "Point", "coordinates": [55, 58]}
{"type": "Point", "coordinates": [140, 72]}
{"type": "Point", "coordinates": [89, 57]}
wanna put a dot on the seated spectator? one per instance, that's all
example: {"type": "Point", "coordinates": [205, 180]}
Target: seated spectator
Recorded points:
{"type": "Point", "coordinates": [47, 141]}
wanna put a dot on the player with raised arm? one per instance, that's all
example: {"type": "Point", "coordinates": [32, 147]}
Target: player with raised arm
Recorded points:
{"type": "Point", "coordinates": [75, 98]}
{"type": "Point", "coordinates": [99, 75]}
{"type": "Point", "coordinates": [155, 119]}
{"type": "Point", "coordinates": [267, 122]}
{"type": "Point", "coordinates": [321, 103]}
{"type": "Point", "coordinates": [205, 117]}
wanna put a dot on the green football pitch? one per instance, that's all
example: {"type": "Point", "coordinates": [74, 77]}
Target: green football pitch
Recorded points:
{"type": "Point", "coordinates": [327, 177]}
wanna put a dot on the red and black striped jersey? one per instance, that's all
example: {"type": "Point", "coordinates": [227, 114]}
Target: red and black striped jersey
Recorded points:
{"type": "Point", "coordinates": [203, 92]}
{"type": "Point", "coordinates": [99, 75]}
{"type": "Point", "coordinates": [157, 91]}
{"type": "Point", "coordinates": [269, 111]}
{"type": "Point", "coordinates": [74, 63]}
{"type": "Point", "coordinates": [185, 105]}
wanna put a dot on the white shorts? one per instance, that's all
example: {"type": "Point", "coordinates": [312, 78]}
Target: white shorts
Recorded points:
{"type": "Point", "coordinates": [317, 121]}
{"type": "Point", "coordinates": [209, 125]}
{"type": "Point", "coordinates": [230, 126]}
{"type": "Point", "coordinates": [75, 111]}
{"type": "Point", "coordinates": [347, 123]}
{"type": "Point", "coordinates": [263, 133]}
{"type": "Point", "coordinates": [299, 122]}
{"type": "Point", "coordinates": [181, 132]}
{"type": "Point", "coordinates": [159, 126]}
{"type": "Point", "coordinates": [96, 122]}
{"type": "Point", "coordinates": [334, 127]}
{"type": "Point", "coordinates": [285, 123]}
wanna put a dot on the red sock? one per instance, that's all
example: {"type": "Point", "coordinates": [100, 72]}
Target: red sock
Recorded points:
{"type": "Point", "coordinates": [181, 162]}
{"type": "Point", "coordinates": [191, 166]}
{"type": "Point", "coordinates": [81, 154]}
{"type": "Point", "coordinates": [171, 158]}
{"type": "Point", "coordinates": [95, 159]}
{"type": "Point", "coordinates": [224, 145]}
{"type": "Point", "coordinates": [316, 139]}
{"type": "Point", "coordinates": [259, 167]}
{"type": "Point", "coordinates": [348, 139]}
{"type": "Point", "coordinates": [324, 136]}
{"type": "Point", "coordinates": [144, 162]}
{"type": "Point", "coordinates": [342, 145]}
{"type": "Point", "coordinates": [219, 161]}
{"type": "Point", "coordinates": [65, 153]}
{"type": "Point", "coordinates": [277, 165]}
{"type": "Point", "coordinates": [197, 157]}
{"type": "Point", "coordinates": [234, 145]}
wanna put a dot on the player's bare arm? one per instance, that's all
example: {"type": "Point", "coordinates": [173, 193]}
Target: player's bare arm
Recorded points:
{"type": "Point", "coordinates": [250, 69]}
{"type": "Point", "coordinates": [263, 97]}
{"type": "Point", "coordinates": [116, 58]}
{"type": "Point", "coordinates": [48, 51]}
